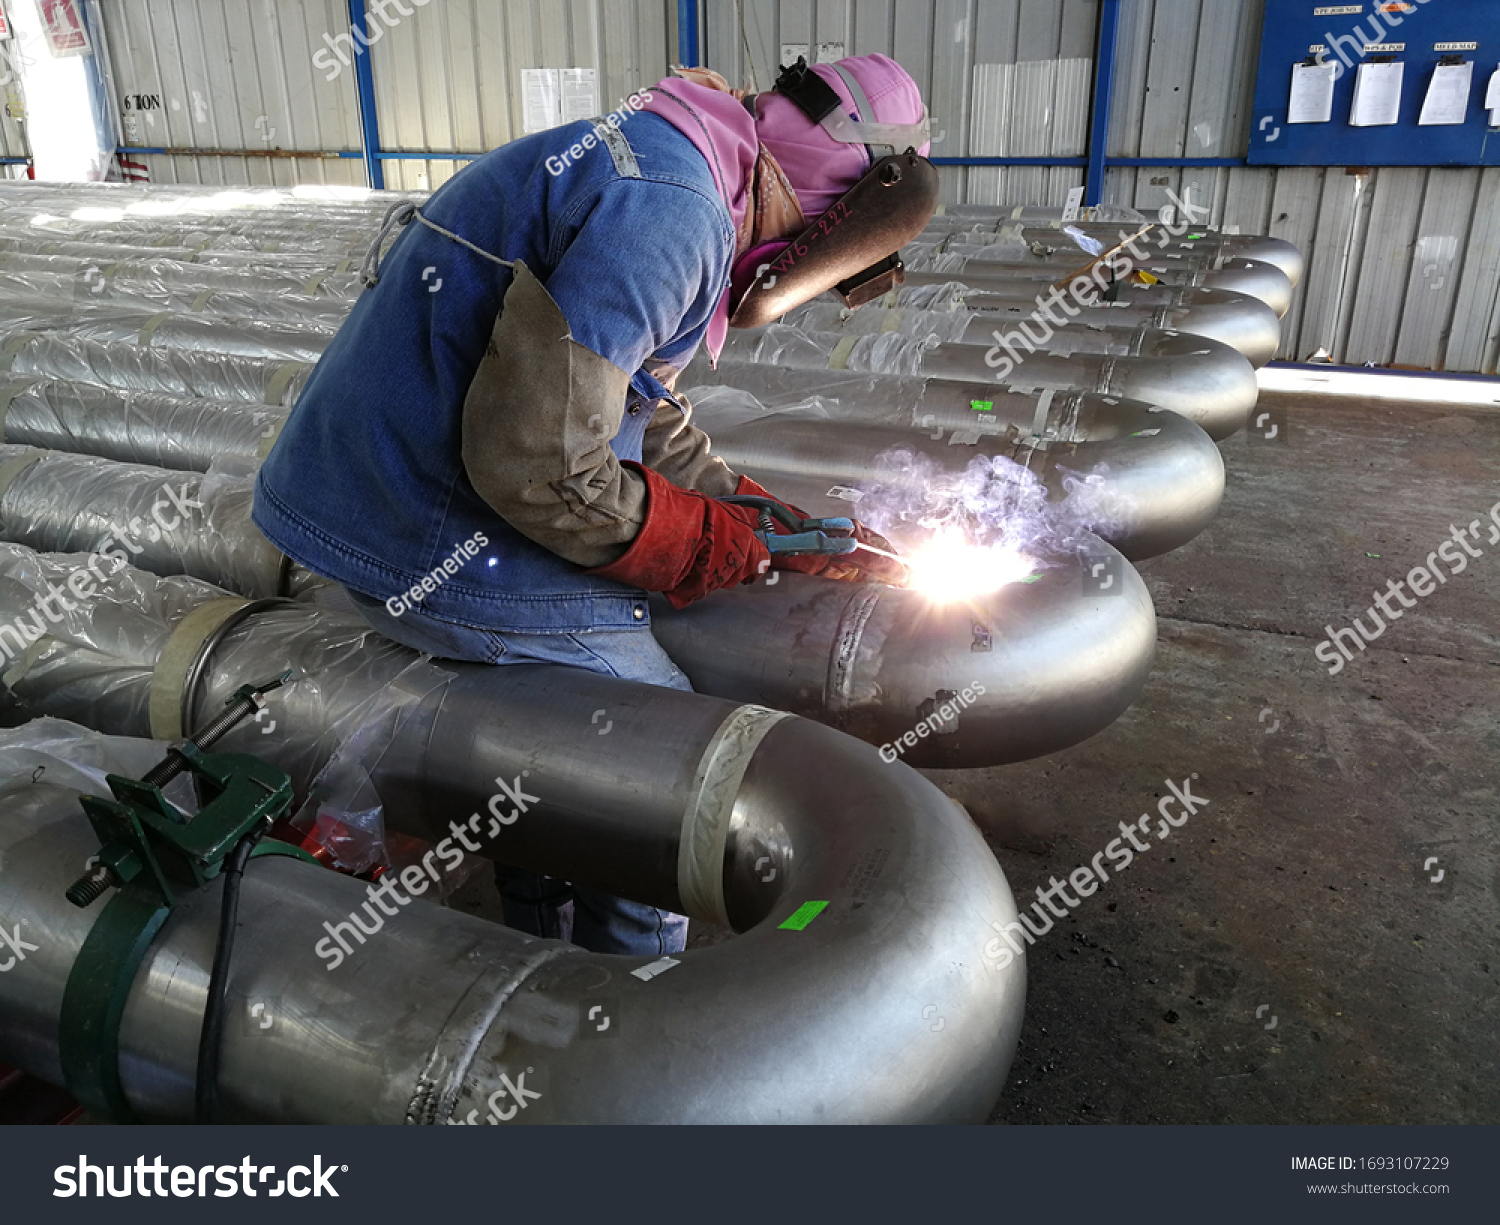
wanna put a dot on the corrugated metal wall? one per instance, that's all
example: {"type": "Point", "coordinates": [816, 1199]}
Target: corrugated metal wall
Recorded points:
{"type": "Point", "coordinates": [1404, 265]}
{"type": "Point", "coordinates": [1003, 78]}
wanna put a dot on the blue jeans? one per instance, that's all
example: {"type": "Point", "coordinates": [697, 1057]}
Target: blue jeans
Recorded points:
{"type": "Point", "coordinates": [540, 905]}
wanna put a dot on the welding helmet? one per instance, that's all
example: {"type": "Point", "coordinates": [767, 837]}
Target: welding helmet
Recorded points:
{"type": "Point", "coordinates": [853, 244]}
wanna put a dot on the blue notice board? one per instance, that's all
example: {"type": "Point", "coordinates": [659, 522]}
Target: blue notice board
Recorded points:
{"type": "Point", "coordinates": [1421, 34]}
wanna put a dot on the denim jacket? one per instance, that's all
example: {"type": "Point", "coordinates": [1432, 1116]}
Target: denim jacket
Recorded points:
{"type": "Point", "coordinates": [366, 484]}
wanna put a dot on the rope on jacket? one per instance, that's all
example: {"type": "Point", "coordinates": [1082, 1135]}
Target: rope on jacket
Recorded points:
{"type": "Point", "coordinates": [402, 213]}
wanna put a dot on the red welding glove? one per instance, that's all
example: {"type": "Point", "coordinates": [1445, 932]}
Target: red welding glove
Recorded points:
{"type": "Point", "coordinates": [690, 544]}
{"type": "Point", "coordinates": [856, 567]}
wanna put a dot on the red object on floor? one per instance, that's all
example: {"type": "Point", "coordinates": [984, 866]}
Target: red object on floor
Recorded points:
{"type": "Point", "coordinates": [24, 1099]}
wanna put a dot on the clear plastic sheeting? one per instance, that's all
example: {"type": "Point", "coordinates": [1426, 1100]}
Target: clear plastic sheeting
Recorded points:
{"type": "Point", "coordinates": [175, 372]}
{"type": "Point", "coordinates": [137, 427]}
{"type": "Point", "coordinates": [873, 320]}
{"type": "Point", "coordinates": [167, 522]}
{"type": "Point", "coordinates": [781, 345]}
{"type": "Point", "coordinates": [945, 296]}
{"type": "Point", "coordinates": [56, 753]}
{"type": "Point", "coordinates": [108, 323]}
{"type": "Point", "coordinates": [96, 289]}
{"type": "Point", "coordinates": [159, 276]}
{"type": "Point", "coordinates": [92, 660]}
{"type": "Point", "coordinates": [86, 658]}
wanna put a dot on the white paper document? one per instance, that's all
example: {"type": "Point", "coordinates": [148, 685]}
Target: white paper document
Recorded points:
{"type": "Point", "coordinates": [580, 94]}
{"type": "Point", "coordinates": [1447, 98]}
{"type": "Point", "coordinates": [1377, 95]}
{"type": "Point", "coordinates": [1492, 99]}
{"type": "Point", "coordinates": [1312, 93]}
{"type": "Point", "coordinates": [539, 99]}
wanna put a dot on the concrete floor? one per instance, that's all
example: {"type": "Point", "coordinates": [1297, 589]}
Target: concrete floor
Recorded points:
{"type": "Point", "coordinates": [1300, 887]}
{"type": "Point", "coordinates": [1298, 895]}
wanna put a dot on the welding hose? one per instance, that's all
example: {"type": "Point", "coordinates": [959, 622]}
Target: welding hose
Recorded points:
{"type": "Point", "coordinates": [210, 1037]}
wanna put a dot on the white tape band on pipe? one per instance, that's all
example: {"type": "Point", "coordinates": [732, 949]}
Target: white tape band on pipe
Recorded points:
{"type": "Point", "coordinates": [705, 824]}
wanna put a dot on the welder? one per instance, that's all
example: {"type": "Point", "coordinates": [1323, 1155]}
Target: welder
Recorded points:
{"type": "Point", "coordinates": [490, 457]}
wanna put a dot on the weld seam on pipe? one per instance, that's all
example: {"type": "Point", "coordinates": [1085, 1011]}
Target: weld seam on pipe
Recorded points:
{"type": "Point", "coordinates": [170, 677]}
{"type": "Point", "coordinates": [844, 658]}
{"type": "Point", "coordinates": [1106, 376]}
{"type": "Point", "coordinates": [457, 1044]}
{"type": "Point", "coordinates": [1043, 406]}
{"type": "Point", "coordinates": [705, 824]}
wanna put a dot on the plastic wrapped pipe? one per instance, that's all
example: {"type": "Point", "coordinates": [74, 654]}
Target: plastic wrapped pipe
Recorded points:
{"type": "Point", "coordinates": [318, 313]}
{"type": "Point", "coordinates": [110, 323]}
{"type": "Point", "coordinates": [161, 275]}
{"type": "Point", "coordinates": [134, 427]}
{"type": "Point", "coordinates": [683, 805]}
{"type": "Point", "coordinates": [1238, 320]}
{"type": "Point", "coordinates": [1206, 382]}
{"type": "Point", "coordinates": [1263, 281]}
{"type": "Point", "coordinates": [168, 522]}
{"type": "Point", "coordinates": [173, 372]}
{"type": "Point", "coordinates": [1143, 479]}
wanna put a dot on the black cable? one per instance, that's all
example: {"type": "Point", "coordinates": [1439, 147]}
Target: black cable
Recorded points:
{"type": "Point", "coordinates": [210, 1037]}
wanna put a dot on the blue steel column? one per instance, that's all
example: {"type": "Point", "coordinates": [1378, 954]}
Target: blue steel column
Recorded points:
{"type": "Point", "coordinates": [364, 77]}
{"type": "Point", "coordinates": [1104, 80]}
{"type": "Point", "coordinates": [687, 33]}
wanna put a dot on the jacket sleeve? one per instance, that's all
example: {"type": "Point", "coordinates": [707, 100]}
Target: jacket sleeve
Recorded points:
{"type": "Point", "coordinates": [553, 386]}
{"type": "Point", "coordinates": [682, 453]}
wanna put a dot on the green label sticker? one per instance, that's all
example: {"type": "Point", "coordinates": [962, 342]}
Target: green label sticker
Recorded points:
{"type": "Point", "coordinates": [1195, 237]}
{"type": "Point", "coordinates": [982, 406]}
{"type": "Point", "coordinates": [803, 915]}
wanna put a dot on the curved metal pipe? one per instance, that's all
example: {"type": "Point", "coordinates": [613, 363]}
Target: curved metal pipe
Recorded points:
{"type": "Point", "coordinates": [1264, 281]}
{"type": "Point", "coordinates": [1206, 382]}
{"type": "Point", "coordinates": [1256, 336]}
{"type": "Point", "coordinates": [1244, 323]}
{"type": "Point", "coordinates": [1059, 660]}
{"type": "Point", "coordinates": [434, 1023]}
{"type": "Point", "coordinates": [1209, 244]}
{"type": "Point", "coordinates": [1161, 477]}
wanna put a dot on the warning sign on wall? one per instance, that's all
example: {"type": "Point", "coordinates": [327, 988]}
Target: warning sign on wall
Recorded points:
{"type": "Point", "coordinates": [4, 24]}
{"type": "Point", "coordinates": [66, 34]}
